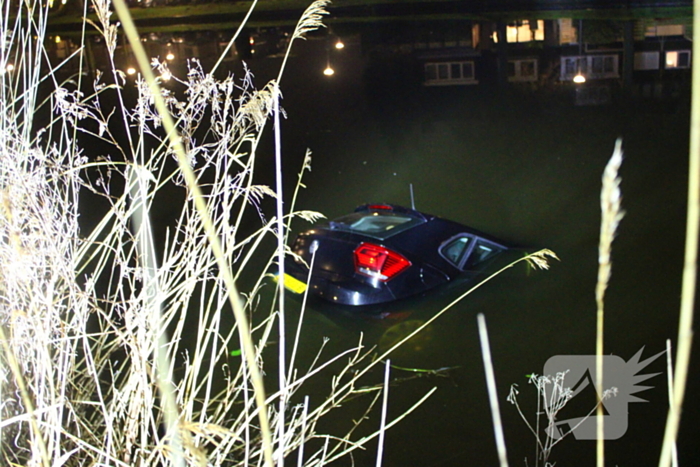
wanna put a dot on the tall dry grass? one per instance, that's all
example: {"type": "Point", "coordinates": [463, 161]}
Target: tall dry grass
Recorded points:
{"type": "Point", "coordinates": [611, 215]}
{"type": "Point", "coordinates": [115, 347]}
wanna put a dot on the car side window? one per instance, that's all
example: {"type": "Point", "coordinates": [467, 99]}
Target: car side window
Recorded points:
{"type": "Point", "coordinates": [482, 251]}
{"type": "Point", "coordinates": [454, 249]}
{"type": "Point", "coordinates": [466, 252]}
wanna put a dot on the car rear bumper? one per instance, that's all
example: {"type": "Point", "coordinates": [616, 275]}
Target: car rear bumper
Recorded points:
{"type": "Point", "coordinates": [350, 293]}
{"type": "Point", "coordinates": [345, 291]}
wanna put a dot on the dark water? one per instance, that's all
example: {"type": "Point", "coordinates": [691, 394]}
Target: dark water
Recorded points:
{"type": "Point", "coordinates": [525, 167]}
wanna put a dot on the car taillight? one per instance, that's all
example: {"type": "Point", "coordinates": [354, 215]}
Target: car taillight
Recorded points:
{"type": "Point", "coordinates": [377, 261]}
{"type": "Point", "coordinates": [383, 207]}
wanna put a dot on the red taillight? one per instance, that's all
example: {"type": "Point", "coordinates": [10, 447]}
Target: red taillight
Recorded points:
{"type": "Point", "coordinates": [383, 207]}
{"type": "Point", "coordinates": [377, 261]}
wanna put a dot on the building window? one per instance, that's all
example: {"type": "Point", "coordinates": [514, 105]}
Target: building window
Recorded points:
{"type": "Point", "coordinates": [522, 70]}
{"type": "Point", "coordinates": [678, 59]}
{"type": "Point", "coordinates": [447, 73]}
{"type": "Point", "coordinates": [447, 39]}
{"type": "Point", "coordinates": [525, 31]}
{"type": "Point", "coordinates": [603, 65]}
{"type": "Point", "coordinates": [646, 61]}
{"type": "Point", "coordinates": [591, 66]}
{"type": "Point", "coordinates": [568, 34]}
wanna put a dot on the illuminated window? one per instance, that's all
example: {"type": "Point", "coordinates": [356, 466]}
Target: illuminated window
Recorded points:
{"type": "Point", "coordinates": [524, 31]}
{"type": "Point", "coordinates": [447, 73]}
{"type": "Point", "coordinates": [522, 70]}
{"type": "Point", "coordinates": [678, 59]}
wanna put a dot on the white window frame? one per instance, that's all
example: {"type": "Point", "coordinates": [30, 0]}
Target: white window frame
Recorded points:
{"type": "Point", "coordinates": [587, 64]}
{"type": "Point", "coordinates": [518, 76]}
{"type": "Point", "coordinates": [670, 64]}
{"type": "Point", "coordinates": [443, 73]}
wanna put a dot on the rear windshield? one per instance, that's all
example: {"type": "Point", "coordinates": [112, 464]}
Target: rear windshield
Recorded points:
{"type": "Point", "coordinates": [375, 224]}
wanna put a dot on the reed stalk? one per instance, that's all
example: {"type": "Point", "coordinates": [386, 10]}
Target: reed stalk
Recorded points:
{"type": "Point", "coordinates": [382, 421]}
{"type": "Point", "coordinates": [611, 215]}
{"type": "Point", "coordinates": [689, 282]}
{"type": "Point", "coordinates": [492, 391]}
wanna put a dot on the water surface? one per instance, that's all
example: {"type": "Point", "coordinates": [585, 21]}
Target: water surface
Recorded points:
{"type": "Point", "coordinates": [525, 167]}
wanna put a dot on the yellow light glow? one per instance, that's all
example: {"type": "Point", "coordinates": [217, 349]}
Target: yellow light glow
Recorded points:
{"type": "Point", "coordinates": [58, 39]}
{"type": "Point", "coordinates": [170, 56]}
{"type": "Point", "coordinates": [522, 32]}
{"type": "Point", "coordinates": [672, 59]}
{"type": "Point", "coordinates": [10, 67]}
{"type": "Point", "coordinates": [329, 71]}
{"type": "Point", "coordinates": [579, 79]}
{"type": "Point", "coordinates": [131, 70]}
{"type": "Point", "coordinates": [339, 45]}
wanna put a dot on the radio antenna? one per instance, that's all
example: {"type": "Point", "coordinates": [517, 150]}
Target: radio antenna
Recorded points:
{"type": "Point", "coordinates": [413, 203]}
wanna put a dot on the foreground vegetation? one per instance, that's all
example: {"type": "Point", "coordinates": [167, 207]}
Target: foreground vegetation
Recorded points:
{"type": "Point", "coordinates": [95, 370]}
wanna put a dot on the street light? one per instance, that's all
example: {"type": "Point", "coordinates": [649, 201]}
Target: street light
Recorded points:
{"type": "Point", "coordinates": [328, 71]}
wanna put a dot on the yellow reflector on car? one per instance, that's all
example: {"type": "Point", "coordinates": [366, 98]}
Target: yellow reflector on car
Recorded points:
{"type": "Point", "coordinates": [292, 284]}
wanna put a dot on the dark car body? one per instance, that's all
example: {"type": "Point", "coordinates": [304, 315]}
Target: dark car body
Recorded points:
{"type": "Point", "coordinates": [385, 252]}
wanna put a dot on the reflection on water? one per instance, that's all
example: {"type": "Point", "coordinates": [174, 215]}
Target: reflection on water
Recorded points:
{"type": "Point", "coordinates": [400, 331]}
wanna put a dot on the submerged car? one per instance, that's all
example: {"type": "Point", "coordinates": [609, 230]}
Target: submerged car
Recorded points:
{"type": "Point", "coordinates": [385, 252]}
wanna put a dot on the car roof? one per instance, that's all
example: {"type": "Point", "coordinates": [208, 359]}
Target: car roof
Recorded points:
{"type": "Point", "coordinates": [398, 209]}
{"type": "Point", "coordinates": [394, 208]}
{"type": "Point", "coordinates": [379, 221]}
